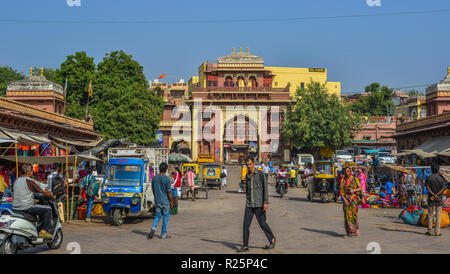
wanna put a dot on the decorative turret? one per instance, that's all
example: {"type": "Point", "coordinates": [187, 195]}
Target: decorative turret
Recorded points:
{"type": "Point", "coordinates": [37, 91]}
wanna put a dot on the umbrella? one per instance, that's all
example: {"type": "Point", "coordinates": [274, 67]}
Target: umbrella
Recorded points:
{"type": "Point", "coordinates": [176, 158]}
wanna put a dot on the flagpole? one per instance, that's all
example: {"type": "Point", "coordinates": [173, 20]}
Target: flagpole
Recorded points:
{"type": "Point", "coordinates": [65, 95]}
{"type": "Point", "coordinates": [87, 103]}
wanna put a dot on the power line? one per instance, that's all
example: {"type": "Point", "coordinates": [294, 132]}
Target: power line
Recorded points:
{"type": "Point", "coordinates": [43, 21]}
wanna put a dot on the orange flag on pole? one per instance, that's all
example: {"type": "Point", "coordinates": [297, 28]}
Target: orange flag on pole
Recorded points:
{"type": "Point", "coordinates": [162, 76]}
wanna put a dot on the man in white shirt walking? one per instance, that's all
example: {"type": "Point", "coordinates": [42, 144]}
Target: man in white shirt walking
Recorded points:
{"type": "Point", "coordinates": [223, 176]}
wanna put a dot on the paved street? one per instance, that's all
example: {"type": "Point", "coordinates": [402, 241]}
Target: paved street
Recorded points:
{"type": "Point", "coordinates": [215, 226]}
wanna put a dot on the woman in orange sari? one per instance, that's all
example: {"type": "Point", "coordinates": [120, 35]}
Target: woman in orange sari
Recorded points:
{"type": "Point", "coordinates": [351, 194]}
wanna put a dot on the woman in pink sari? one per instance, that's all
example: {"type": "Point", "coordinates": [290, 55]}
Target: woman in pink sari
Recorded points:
{"type": "Point", "coordinates": [363, 180]}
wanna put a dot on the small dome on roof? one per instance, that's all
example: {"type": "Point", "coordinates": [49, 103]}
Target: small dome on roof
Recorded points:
{"type": "Point", "coordinates": [35, 83]}
{"type": "Point", "coordinates": [240, 58]}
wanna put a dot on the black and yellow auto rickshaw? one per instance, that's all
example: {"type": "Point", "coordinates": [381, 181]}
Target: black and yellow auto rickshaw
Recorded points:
{"type": "Point", "coordinates": [211, 175]}
{"type": "Point", "coordinates": [324, 185]}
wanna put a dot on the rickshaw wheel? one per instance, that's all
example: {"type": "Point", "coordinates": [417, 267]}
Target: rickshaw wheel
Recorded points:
{"type": "Point", "coordinates": [117, 217]}
{"type": "Point", "coordinates": [324, 197]}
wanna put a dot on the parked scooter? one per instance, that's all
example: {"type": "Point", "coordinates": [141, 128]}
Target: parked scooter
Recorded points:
{"type": "Point", "coordinates": [19, 231]}
{"type": "Point", "coordinates": [281, 185]}
{"type": "Point", "coordinates": [373, 183]}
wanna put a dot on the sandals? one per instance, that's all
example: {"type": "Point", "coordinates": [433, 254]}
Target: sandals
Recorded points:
{"type": "Point", "coordinates": [272, 244]}
{"type": "Point", "coordinates": [166, 236]}
{"type": "Point", "coordinates": [243, 249]}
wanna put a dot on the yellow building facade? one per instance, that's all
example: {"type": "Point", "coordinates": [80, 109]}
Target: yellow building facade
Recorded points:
{"type": "Point", "coordinates": [300, 77]}
{"type": "Point", "coordinates": [242, 79]}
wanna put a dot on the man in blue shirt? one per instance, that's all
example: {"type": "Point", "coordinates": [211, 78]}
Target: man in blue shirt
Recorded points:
{"type": "Point", "coordinates": [163, 201]}
{"type": "Point", "coordinates": [388, 186]}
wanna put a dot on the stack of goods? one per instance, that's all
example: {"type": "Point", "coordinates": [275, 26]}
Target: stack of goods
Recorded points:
{"type": "Point", "coordinates": [371, 200]}
{"type": "Point", "coordinates": [445, 220]}
{"type": "Point", "coordinates": [412, 215]}
{"type": "Point", "coordinates": [446, 198]}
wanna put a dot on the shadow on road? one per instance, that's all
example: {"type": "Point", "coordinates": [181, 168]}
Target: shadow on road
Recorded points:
{"type": "Point", "coordinates": [400, 230]}
{"type": "Point", "coordinates": [330, 233]}
{"type": "Point", "coordinates": [235, 192]}
{"type": "Point", "coordinates": [298, 199]}
{"type": "Point", "coordinates": [143, 233]}
{"type": "Point", "coordinates": [234, 246]}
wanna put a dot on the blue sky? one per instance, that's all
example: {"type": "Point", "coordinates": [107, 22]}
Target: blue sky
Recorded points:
{"type": "Point", "coordinates": [399, 51]}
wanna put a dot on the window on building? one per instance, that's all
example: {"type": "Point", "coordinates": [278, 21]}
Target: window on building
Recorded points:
{"type": "Point", "coordinates": [253, 82]}
{"type": "Point", "coordinates": [276, 84]}
{"type": "Point", "coordinates": [214, 83]}
{"type": "Point", "coordinates": [302, 85]}
{"type": "Point", "coordinates": [228, 82]}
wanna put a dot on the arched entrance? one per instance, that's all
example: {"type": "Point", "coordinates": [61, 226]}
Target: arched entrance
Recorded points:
{"type": "Point", "coordinates": [182, 147]}
{"type": "Point", "coordinates": [240, 139]}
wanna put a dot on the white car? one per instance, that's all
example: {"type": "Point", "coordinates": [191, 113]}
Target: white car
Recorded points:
{"type": "Point", "coordinates": [342, 156]}
{"type": "Point", "coordinates": [386, 158]}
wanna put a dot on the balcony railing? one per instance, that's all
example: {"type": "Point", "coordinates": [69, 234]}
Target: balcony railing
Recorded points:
{"type": "Point", "coordinates": [444, 117]}
{"type": "Point", "coordinates": [233, 89]}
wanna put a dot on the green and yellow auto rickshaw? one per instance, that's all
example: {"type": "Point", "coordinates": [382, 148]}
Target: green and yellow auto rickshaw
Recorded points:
{"type": "Point", "coordinates": [324, 185]}
{"type": "Point", "coordinates": [193, 167]}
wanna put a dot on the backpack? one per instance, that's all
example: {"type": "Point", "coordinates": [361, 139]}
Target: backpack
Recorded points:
{"type": "Point", "coordinates": [222, 174]}
{"type": "Point", "coordinates": [58, 188]}
{"type": "Point", "coordinates": [92, 187]}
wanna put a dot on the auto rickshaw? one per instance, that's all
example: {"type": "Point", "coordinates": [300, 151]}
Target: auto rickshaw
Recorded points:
{"type": "Point", "coordinates": [324, 182]}
{"type": "Point", "coordinates": [211, 175]}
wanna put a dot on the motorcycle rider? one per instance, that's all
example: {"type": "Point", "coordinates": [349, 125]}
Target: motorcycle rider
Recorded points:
{"type": "Point", "coordinates": [23, 191]}
{"type": "Point", "coordinates": [282, 173]}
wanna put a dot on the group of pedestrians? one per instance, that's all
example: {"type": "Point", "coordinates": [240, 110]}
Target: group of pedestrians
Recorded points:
{"type": "Point", "coordinates": [352, 186]}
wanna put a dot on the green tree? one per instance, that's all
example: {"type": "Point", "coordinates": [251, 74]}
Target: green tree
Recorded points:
{"type": "Point", "coordinates": [7, 75]}
{"type": "Point", "coordinates": [78, 69]}
{"type": "Point", "coordinates": [317, 119]}
{"type": "Point", "coordinates": [379, 102]}
{"type": "Point", "coordinates": [49, 73]}
{"type": "Point", "coordinates": [124, 106]}
{"type": "Point", "coordinates": [414, 93]}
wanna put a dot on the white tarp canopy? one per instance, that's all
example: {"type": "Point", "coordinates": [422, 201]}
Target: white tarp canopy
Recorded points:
{"type": "Point", "coordinates": [432, 147]}
{"type": "Point", "coordinates": [24, 138]}
{"type": "Point", "coordinates": [50, 160]}
{"type": "Point", "coordinates": [445, 153]}
{"type": "Point", "coordinates": [82, 143]}
{"type": "Point", "coordinates": [30, 139]}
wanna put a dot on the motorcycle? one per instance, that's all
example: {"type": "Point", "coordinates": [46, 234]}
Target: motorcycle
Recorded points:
{"type": "Point", "coordinates": [373, 183]}
{"type": "Point", "coordinates": [19, 230]}
{"type": "Point", "coordinates": [281, 185]}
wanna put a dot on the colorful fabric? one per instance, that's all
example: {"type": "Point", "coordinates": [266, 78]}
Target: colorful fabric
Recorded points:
{"type": "Point", "coordinates": [176, 180]}
{"type": "Point", "coordinates": [350, 210]}
{"type": "Point", "coordinates": [363, 180]}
